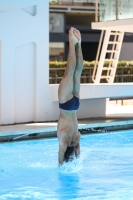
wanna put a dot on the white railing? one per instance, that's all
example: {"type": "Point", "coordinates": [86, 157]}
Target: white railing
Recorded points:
{"type": "Point", "coordinates": [97, 56]}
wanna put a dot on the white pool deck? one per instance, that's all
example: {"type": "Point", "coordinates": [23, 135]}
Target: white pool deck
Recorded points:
{"type": "Point", "coordinates": [115, 116]}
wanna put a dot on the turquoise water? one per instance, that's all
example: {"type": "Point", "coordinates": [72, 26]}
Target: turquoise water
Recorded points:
{"type": "Point", "coordinates": [29, 169]}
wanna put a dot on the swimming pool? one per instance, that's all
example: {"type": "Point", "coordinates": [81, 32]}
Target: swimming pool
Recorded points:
{"type": "Point", "coordinates": [29, 169]}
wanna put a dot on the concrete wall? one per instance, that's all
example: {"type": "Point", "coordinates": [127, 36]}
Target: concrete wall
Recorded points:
{"type": "Point", "coordinates": [126, 51]}
{"type": "Point", "coordinates": [93, 98]}
{"type": "Point", "coordinates": [99, 91]}
{"type": "Point", "coordinates": [89, 108]}
{"type": "Point", "coordinates": [24, 60]}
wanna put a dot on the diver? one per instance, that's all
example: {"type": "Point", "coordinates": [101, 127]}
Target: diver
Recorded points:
{"type": "Point", "coordinates": [69, 101]}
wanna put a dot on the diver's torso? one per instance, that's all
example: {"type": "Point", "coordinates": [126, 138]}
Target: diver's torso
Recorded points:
{"type": "Point", "coordinates": [68, 124]}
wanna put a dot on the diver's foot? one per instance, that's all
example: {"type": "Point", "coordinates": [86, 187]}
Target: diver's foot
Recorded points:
{"type": "Point", "coordinates": [72, 38]}
{"type": "Point", "coordinates": [77, 35]}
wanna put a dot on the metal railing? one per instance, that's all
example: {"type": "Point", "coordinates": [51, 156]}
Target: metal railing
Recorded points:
{"type": "Point", "coordinates": [122, 101]}
{"type": "Point", "coordinates": [123, 74]}
{"type": "Point", "coordinates": [72, 2]}
{"type": "Point", "coordinates": [77, 1]}
{"type": "Point", "coordinates": [115, 9]}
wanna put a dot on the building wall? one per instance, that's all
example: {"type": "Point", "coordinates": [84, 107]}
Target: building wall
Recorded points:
{"type": "Point", "coordinates": [126, 51]}
{"type": "Point", "coordinates": [25, 93]}
{"type": "Point", "coordinates": [93, 98]}
{"type": "Point", "coordinates": [24, 61]}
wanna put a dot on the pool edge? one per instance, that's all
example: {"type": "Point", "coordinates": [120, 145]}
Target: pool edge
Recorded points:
{"type": "Point", "coordinates": [38, 133]}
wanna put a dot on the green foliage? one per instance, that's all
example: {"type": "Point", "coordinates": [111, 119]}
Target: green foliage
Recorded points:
{"type": "Point", "coordinates": [56, 64]}
{"type": "Point", "coordinates": [124, 67]}
{"type": "Point", "coordinates": [122, 63]}
{"type": "Point", "coordinates": [53, 2]}
{"type": "Point", "coordinates": [130, 63]}
{"type": "Point", "coordinates": [89, 63]}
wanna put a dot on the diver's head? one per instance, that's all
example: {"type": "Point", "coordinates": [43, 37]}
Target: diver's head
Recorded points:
{"type": "Point", "coordinates": [70, 154]}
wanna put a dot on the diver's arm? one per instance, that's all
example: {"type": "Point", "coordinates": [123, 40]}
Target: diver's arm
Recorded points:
{"type": "Point", "coordinates": [77, 149]}
{"type": "Point", "coordinates": [62, 150]}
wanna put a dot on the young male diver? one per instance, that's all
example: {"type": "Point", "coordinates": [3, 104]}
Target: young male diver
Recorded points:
{"type": "Point", "coordinates": [68, 94]}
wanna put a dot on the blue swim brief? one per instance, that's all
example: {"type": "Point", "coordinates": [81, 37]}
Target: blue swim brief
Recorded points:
{"type": "Point", "coordinates": [72, 104]}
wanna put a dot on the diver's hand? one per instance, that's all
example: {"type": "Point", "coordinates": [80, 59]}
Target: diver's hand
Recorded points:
{"type": "Point", "coordinates": [60, 165]}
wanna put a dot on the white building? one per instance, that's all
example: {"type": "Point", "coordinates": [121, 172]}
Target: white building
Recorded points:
{"type": "Point", "coordinates": [25, 93]}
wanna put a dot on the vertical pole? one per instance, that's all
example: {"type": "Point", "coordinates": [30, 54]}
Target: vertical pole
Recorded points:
{"type": "Point", "coordinates": [96, 11]}
{"type": "Point", "coordinates": [0, 80]}
{"type": "Point", "coordinates": [117, 10]}
{"type": "Point", "coordinates": [72, 2]}
{"type": "Point", "coordinates": [122, 75]}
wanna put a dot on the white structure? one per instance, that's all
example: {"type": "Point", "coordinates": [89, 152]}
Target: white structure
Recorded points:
{"type": "Point", "coordinates": [25, 93]}
{"type": "Point", "coordinates": [113, 52]}
{"type": "Point", "coordinates": [24, 61]}
{"type": "Point", "coordinates": [116, 25]}
{"type": "Point", "coordinates": [93, 97]}
{"type": "Point", "coordinates": [111, 28]}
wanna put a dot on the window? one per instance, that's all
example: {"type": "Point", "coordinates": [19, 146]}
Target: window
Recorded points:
{"type": "Point", "coordinates": [56, 51]}
{"type": "Point", "coordinates": [56, 22]}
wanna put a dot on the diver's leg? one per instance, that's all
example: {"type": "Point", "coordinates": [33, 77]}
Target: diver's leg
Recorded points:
{"type": "Point", "coordinates": [79, 65]}
{"type": "Point", "coordinates": [65, 91]}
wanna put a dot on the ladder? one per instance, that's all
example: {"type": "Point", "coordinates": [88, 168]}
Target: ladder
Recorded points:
{"type": "Point", "coordinates": [111, 42]}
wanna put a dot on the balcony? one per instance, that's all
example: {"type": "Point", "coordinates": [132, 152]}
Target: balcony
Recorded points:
{"type": "Point", "coordinates": [72, 6]}
{"type": "Point", "coordinates": [115, 9]}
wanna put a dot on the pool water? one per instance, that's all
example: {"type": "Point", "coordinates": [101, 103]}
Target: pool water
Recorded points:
{"type": "Point", "coordinates": [29, 169]}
